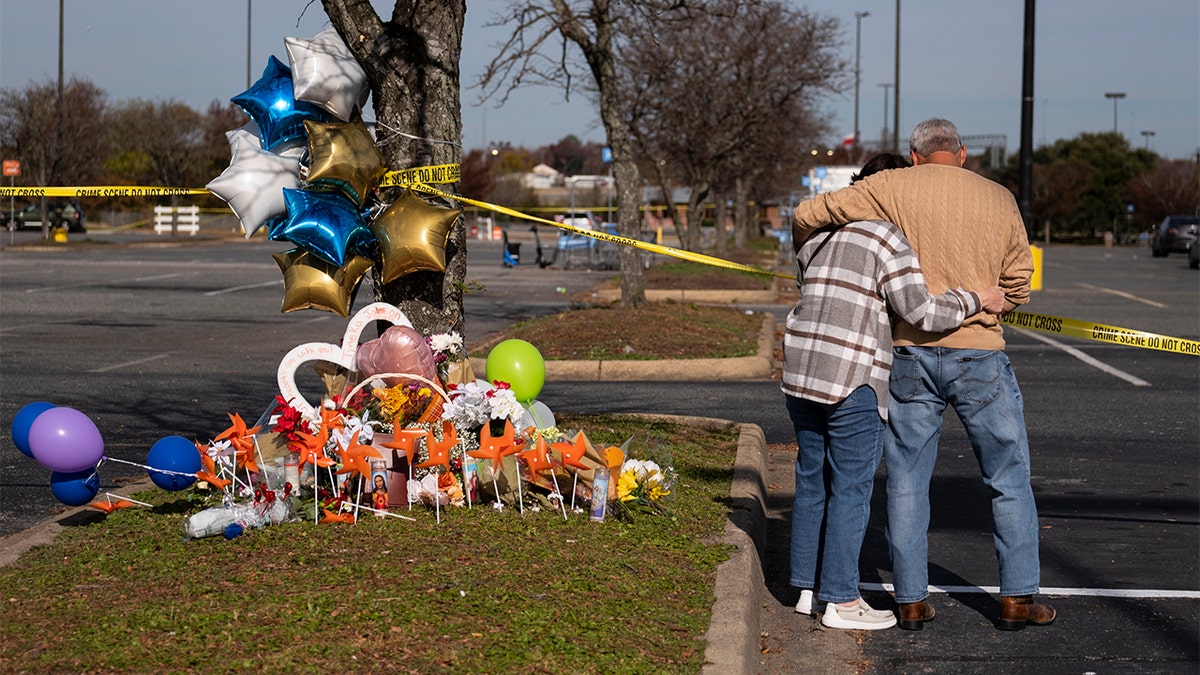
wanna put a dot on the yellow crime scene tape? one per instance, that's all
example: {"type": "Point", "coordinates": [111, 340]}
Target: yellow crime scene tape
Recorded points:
{"type": "Point", "coordinates": [100, 191]}
{"type": "Point", "coordinates": [604, 236]}
{"type": "Point", "coordinates": [420, 179]}
{"type": "Point", "coordinates": [1126, 337]}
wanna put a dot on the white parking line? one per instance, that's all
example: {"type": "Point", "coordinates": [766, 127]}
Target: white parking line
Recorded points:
{"type": "Point", "coordinates": [155, 277]}
{"type": "Point", "coordinates": [234, 289]}
{"type": "Point", "coordinates": [1122, 294]}
{"type": "Point", "coordinates": [130, 363]}
{"type": "Point", "coordinates": [1098, 365]}
{"type": "Point", "coordinates": [1051, 590]}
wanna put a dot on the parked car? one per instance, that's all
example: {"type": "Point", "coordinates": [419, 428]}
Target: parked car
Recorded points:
{"type": "Point", "coordinates": [59, 212]}
{"type": "Point", "coordinates": [1194, 253]}
{"type": "Point", "coordinates": [1173, 235]}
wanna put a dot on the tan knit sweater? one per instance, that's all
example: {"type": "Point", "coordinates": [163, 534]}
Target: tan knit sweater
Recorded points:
{"type": "Point", "coordinates": [966, 230]}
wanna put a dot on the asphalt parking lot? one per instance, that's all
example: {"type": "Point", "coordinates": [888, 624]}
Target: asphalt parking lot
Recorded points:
{"type": "Point", "coordinates": [158, 340]}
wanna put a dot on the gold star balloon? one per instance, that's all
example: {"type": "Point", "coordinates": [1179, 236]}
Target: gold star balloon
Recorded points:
{"type": "Point", "coordinates": [344, 157]}
{"type": "Point", "coordinates": [312, 283]}
{"type": "Point", "coordinates": [412, 236]}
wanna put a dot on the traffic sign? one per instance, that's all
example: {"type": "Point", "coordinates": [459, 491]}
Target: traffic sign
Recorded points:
{"type": "Point", "coordinates": [12, 167]}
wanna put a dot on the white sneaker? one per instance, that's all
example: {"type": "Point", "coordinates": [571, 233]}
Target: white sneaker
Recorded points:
{"type": "Point", "coordinates": [859, 617]}
{"type": "Point", "coordinates": [809, 604]}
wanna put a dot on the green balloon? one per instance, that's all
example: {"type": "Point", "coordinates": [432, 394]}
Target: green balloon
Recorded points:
{"type": "Point", "coordinates": [519, 364]}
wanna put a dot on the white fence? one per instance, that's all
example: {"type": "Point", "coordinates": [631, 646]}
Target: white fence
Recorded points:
{"type": "Point", "coordinates": [182, 218]}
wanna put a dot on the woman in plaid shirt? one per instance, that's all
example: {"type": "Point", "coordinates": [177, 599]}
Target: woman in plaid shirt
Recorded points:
{"type": "Point", "coordinates": [837, 355]}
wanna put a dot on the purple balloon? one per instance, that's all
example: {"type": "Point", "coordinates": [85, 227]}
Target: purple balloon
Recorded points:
{"type": "Point", "coordinates": [65, 440]}
{"type": "Point", "coordinates": [24, 420]}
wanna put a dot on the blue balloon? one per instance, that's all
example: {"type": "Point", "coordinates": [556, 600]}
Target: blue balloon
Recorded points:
{"type": "Point", "coordinates": [270, 102]}
{"type": "Point", "coordinates": [76, 488]}
{"type": "Point", "coordinates": [173, 453]}
{"type": "Point", "coordinates": [325, 224]}
{"type": "Point", "coordinates": [23, 420]}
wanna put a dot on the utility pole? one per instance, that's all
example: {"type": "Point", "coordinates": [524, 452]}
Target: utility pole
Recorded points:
{"type": "Point", "coordinates": [896, 84]}
{"type": "Point", "coordinates": [1115, 96]}
{"type": "Point", "coordinates": [883, 143]}
{"type": "Point", "coordinates": [1026, 159]}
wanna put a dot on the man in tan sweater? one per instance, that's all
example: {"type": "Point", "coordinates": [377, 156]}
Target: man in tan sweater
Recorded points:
{"type": "Point", "coordinates": [967, 232]}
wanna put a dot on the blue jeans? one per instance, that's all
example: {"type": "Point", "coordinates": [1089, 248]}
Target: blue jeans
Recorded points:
{"type": "Point", "coordinates": [839, 450]}
{"type": "Point", "coordinates": [983, 390]}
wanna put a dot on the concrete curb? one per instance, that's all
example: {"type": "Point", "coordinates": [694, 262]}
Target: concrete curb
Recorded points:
{"type": "Point", "coordinates": [722, 297]}
{"type": "Point", "coordinates": [757, 367]}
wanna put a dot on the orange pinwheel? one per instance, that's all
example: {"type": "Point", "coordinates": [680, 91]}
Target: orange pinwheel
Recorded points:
{"type": "Point", "coordinates": [406, 441]}
{"type": "Point", "coordinates": [242, 441]}
{"type": "Point", "coordinates": [493, 448]}
{"type": "Point", "coordinates": [573, 452]}
{"type": "Point", "coordinates": [354, 457]}
{"type": "Point", "coordinates": [212, 479]}
{"type": "Point", "coordinates": [109, 507]}
{"type": "Point", "coordinates": [536, 458]}
{"type": "Point", "coordinates": [331, 517]}
{"type": "Point", "coordinates": [209, 465]}
{"type": "Point", "coordinates": [332, 419]}
{"type": "Point", "coordinates": [439, 451]}
{"type": "Point", "coordinates": [312, 448]}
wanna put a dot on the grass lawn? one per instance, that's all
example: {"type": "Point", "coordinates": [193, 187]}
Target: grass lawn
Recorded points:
{"type": "Point", "coordinates": [482, 592]}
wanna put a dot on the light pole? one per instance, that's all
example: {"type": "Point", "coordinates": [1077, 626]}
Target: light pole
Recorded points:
{"type": "Point", "coordinates": [858, 17]}
{"type": "Point", "coordinates": [1147, 135]}
{"type": "Point", "coordinates": [1115, 96]}
{"type": "Point", "coordinates": [896, 83]}
{"type": "Point", "coordinates": [249, 7]}
{"type": "Point", "coordinates": [883, 144]}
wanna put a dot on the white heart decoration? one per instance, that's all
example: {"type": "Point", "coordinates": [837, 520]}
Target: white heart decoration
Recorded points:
{"type": "Point", "coordinates": [345, 355]}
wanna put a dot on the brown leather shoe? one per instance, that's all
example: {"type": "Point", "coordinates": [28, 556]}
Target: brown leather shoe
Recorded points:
{"type": "Point", "coordinates": [1016, 611]}
{"type": "Point", "coordinates": [913, 615]}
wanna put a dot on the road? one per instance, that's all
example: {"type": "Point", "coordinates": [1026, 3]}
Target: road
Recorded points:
{"type": "Point", "coordinates": [150, 341]}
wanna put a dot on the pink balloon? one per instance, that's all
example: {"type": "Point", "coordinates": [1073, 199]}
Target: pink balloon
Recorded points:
{"type": "Point", "coordinates": [400, 349]}
{"type": "Point", "coordinates": [65, 440]}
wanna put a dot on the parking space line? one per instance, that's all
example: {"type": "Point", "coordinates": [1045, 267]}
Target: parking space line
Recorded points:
{"type": "Point", "coordinates": [1121, 294]}
{"type": "Point", "coordinates": [118, 366]}
{"type": "Point", "coordinates": [1054, 590]}
{"type": "Point", "coordinates": [1095, 363]}
{"type": "Point", "coordinates": [234, 289]}
{"type": "Point", "coordinates": [155, 277]}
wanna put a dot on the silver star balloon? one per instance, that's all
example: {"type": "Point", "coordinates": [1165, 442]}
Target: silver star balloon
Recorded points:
{"type": "Point", "coordinates": [325, 73]}
{"type": "Point", "coordinates": [254, 182]}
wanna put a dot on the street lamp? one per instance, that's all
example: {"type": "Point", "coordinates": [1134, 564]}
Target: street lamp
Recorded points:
{"type": "Point", "coordinates": [858, 17]}
{"type": "Point", "coordinates": [1147, 135]}
{"type": "Point", "coordinates": [1115, 96]}
{"type": "Point", "coordinates": [883, 144]}
{"type": "Point", "coordinates": [249, 10]}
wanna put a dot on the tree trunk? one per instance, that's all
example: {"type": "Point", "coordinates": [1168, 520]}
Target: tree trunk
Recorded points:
{"type": "Point", "coordinates": [742, 219]}
{"type": "Point", "coordinates": [412, 64]}
{"type": "Point", "coordinates": [720, 214]}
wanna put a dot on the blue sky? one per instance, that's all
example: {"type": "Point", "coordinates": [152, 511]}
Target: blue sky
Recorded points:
{"type": "Point", "coordinates": [960, 60]}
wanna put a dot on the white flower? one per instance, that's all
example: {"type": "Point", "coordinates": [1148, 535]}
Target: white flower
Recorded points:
{"type": "Point", "coordinates": [448, 343]}
{"type": "Point", "coordinates": [505, 406]}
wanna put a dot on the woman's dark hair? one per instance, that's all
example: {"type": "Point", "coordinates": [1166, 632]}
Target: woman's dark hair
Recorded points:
{"type": "Point", "coordinates": [881, 162]}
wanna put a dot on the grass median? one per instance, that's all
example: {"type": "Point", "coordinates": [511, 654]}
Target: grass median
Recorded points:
{"type": "Point", "coordinates": [481, 592]}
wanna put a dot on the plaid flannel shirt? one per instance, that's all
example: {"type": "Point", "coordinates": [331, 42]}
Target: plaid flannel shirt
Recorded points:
{"type": "Point", "coordinates": [839, 335]}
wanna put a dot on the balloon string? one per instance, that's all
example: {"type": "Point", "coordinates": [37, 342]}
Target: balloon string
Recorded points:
{"type": "Point", "coordinates": [169, 472]}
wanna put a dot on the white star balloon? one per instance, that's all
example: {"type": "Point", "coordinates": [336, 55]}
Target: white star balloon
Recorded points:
{"type": "Point", "coordinates": [325, 73]}
{"type": "Point", "coordinates": [254, 182]}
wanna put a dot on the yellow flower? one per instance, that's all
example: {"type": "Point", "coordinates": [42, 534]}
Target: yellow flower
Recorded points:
{"type": "Point", "coordinates": [626, 485]}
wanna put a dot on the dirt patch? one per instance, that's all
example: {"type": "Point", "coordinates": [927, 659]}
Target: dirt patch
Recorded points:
{"type": "Point", "coordinates": [660, 330]}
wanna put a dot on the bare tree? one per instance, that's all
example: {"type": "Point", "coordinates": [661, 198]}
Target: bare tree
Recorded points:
{"type": "Point", "coordinates": [55, 147]}
{"type": "Point", "coordinates": [161, 142]}
{"type": "Point", "coordinates": [538, 53]}
{"type": "Point", "coordinates": [412, 64]}
{"type": "Point", "coordinates": [760, 68]}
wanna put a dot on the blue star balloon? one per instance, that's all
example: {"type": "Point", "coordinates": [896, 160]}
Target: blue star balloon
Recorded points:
{"type": "Point", "coordinates": [323, 223]}
{"type": "Point", "coordinates": [273, 107]}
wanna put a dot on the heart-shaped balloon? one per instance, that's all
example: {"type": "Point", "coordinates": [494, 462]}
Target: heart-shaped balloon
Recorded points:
{"type": "Point", "coordinates": [399, 350]}
{"type": "Point", "coordinates": [344, 355]}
